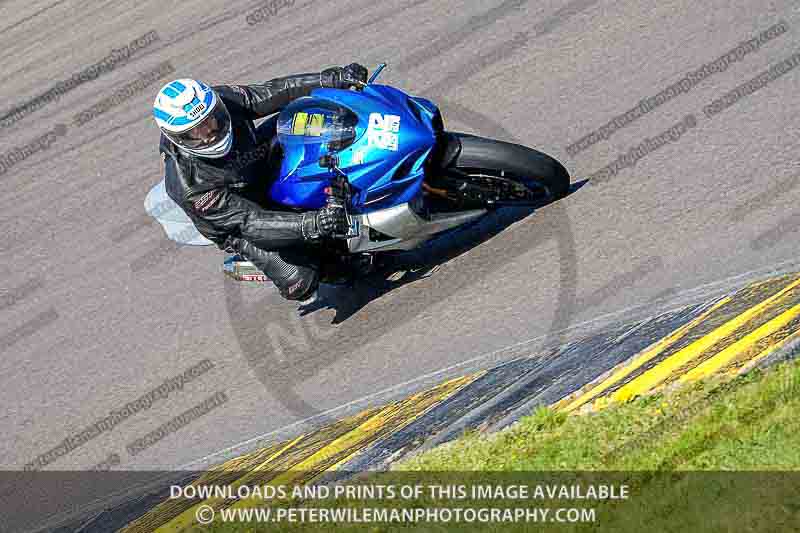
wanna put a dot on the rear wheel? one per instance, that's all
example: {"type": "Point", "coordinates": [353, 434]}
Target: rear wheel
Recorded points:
{"type": "Point", "coordinates": [493, 173]}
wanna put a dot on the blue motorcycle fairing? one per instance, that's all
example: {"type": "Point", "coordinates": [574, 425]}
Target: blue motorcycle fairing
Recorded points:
{"type": "Point", "coordinates": [380, 135]}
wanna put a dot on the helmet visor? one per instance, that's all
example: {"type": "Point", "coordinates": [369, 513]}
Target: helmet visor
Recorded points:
{"type": "Point", "coordinates": [207, 133]}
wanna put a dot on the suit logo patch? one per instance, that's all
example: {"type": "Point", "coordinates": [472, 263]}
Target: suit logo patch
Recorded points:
{"type": "Point", "coordinates": [205, 202]}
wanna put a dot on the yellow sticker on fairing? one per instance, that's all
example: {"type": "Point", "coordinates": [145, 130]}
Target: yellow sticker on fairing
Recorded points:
{"type": "Point", "coordinates": [299, 123]}
{"type": "Point", "coordinates": [314, 127]}
{"type": "Point", "coordinates": [309, 125]}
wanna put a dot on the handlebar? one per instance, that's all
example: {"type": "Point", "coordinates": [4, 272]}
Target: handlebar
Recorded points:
{"type": "Point", "coordinates": [375, 73]}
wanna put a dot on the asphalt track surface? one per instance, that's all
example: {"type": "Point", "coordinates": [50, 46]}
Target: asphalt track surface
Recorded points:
{"type": "Point", "coordinates": [98, 308]}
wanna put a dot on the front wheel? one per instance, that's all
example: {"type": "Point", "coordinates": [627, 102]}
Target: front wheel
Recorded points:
{"type": "Point", "coordinates": [480, 171]}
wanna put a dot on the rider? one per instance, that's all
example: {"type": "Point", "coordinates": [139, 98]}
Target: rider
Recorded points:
{"type": "Point", "coordinates": [215, 158]}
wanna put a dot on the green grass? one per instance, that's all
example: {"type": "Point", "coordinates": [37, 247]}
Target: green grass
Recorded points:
{"type": "Point", "coordinates": [655, 444]}
{"type": "Point", "coordinates": [751, 423]}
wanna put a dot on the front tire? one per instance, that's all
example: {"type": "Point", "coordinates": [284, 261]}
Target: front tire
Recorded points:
{"type": "Point", "coordinates": [536, 170]}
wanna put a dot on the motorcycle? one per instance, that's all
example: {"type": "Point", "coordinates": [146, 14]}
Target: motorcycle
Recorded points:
{"type": "Point", "coordinates": [402, 178]}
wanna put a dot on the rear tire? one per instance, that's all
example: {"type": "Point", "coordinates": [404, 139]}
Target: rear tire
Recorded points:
{"type": "Point", "coordinates": [519, 163]}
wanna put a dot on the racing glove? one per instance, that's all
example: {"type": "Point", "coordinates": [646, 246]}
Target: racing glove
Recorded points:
{"type": "Point", "coordinates": [327, 222]}
{"type": "Point", "coordinates": [344, 77]}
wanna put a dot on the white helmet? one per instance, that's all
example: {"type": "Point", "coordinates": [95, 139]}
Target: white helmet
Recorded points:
{"type": "Point", "coordinates": [194, 118]}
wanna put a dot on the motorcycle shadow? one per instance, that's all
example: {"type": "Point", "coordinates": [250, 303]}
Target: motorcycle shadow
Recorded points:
{"type": "Point", "coordinates": [404, 268]}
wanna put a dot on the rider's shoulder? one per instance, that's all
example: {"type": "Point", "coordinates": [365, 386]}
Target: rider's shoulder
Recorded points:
{"type": "Point", "coordinates": [233, 95]}
{"type": "Point", "coordinates": [230, 90]}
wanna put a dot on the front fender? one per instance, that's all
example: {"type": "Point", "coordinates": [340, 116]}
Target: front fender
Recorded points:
{"type": "Point", "coordinates": [448, 148]}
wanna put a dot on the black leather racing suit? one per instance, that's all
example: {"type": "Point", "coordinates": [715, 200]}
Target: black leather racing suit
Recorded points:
{"type": "Point", "coordinates": [220, 195]}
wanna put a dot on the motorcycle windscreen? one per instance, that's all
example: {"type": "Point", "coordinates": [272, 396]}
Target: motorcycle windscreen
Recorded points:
{"type": "Point", "coordinates": [317, 123]}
